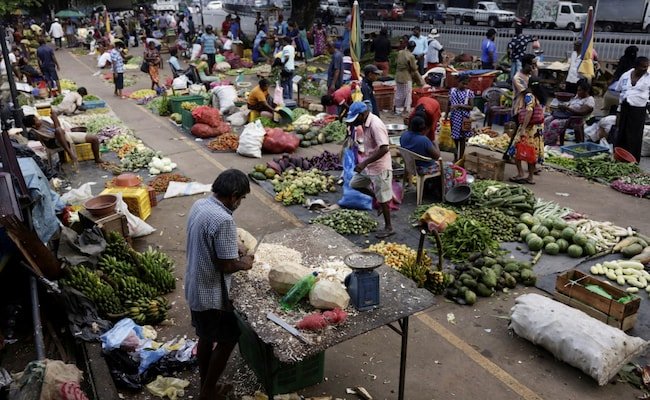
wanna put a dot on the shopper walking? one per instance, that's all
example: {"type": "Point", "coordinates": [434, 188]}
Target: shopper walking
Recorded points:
{"type": "Point", "coordinates": [460, 105]}
{"type": "Point", "coordinates": [56, 32]}
{"type": "Point", "coordinates": [634, 87]}
{"type": "Point", "coordinates": [406, 73]}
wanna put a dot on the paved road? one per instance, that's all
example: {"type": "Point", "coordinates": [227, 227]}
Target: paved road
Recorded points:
{"type": "Point", "coordinates": [474, 358]}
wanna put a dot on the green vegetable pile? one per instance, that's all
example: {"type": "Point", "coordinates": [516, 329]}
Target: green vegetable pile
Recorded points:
{"type": "Point", "coordinates": [501, 225]}
{"type": "Point", "coordinates": [100, 122]}
{"type": "Point", "coordinates": [603, 167]}
{"type": "Point", "coordinates": [511, 199]}
{"type": "Point", "coordinates": [268, 122]}
{"type": "Point", "coordinates": [91, 97]}
{"type": "Point", "coordinates": [348, 222]}
{"type": "Point", "coordinates": [154, 105]}
{"type": "Point", "coordinates": [466, 236]}
{"type": "Point", "coordinates": [298, 112]}
{"type": "Point", "coordinates": [563, 162]}
{"type": "Point", "coordinates": [57, 100]}
{"type": "Point", "coordinates": [139, 157]}
{"type": "Point", "coordinates": [335, 131]}
{"type": "Point", "coordinates": [484, 274]}
{"type": "Point", "coordinates": [294, 184]}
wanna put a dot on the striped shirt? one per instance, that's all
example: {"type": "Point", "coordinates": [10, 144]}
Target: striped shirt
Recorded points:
{"type": "Point", "coordinates": [117, 61]}
{"type": "Point", "coordinates": [209, 43]}
{"type": "Point", "coordinates": [211, 236]}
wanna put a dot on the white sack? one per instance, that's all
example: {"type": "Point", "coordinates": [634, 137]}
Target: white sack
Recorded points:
{"type": "Point", "coordinates": [645, 144]}
{"type": "Point", "coordinates": [137, 227]}
{"type": "Point", "coordinates": [251, 139]}
{"type": "Point", "coordinates": [225, 97]}
{"type": "Point", "coordinates": [178, 189]}
{"type": "Point", "coordinates": [599, 350]}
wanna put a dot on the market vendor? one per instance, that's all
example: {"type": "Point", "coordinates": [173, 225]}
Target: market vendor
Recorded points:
{"type": "Point", "coordinates": [72, 102]}
{"type": "Point", "coordinates": [430, 109]}
{"type": "Point", "coordinates": [204, 70]}
{"type": "Point", "coordinates": [53, 135]}
{"type": "Point", "coordinates": [213, 255]}
{"type": "Point", "coordinates": [570, 115]}
{"type": "Point", "coordinates": [415, 140]}
{"type": "Point", "coordinates": [341, 97]}
{"type": "Point", "coordinates": [259, 99]}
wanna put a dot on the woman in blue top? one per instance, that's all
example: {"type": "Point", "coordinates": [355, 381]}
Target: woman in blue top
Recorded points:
{"type": "Point", "coordinates": [415, 141]}
{"type": "Point", "coordinates": [489, 50]}
{"type": "Point", "coordinates": [460, 104]}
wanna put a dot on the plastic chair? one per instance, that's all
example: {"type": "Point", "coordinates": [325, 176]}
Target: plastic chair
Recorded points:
{"type": "Point", "coordinates": [410, 167]}
{"type": "Point", "coordinates": [493, 106]}
{"type": "Point", "coordinates": [576, 123]}
{"type": "Point", "coordinates": [438, 70]}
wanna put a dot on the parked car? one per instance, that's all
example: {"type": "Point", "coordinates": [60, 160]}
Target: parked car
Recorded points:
{"type": "Point", "coordinates": [430, 11]}
{"type": "Point", "coordinates": [391, 11]}
{"type": "Point", "coordinates": [338, 8]}
{"type": "Point", "coordinates": [214, 5]}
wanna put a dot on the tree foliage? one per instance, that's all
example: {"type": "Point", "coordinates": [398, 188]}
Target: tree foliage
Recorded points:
{"type": "Point", "coordinates": [304, 11]}
{"type": "Point", "coordinates": [8, 7]}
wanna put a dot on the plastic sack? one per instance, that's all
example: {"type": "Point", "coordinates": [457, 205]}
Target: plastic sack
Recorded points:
{"type": "Point", "coordinates": [196, 52]}
{"type": "Point", "coordinates": [247, 240]}
{"type": "Point", "coordinates": [222, 67]}
{"type": "Point", "coordinates": [525, 152]}
{"type": "Point", "coordinates": [277, 141]}
{"type": "Point", "coordinates": [226, 97]}
{"type": "Point", "coordinates": [206, 115]}
{"type": "Point", "coordinates": [137, 227]}
{"type": "Point", "coordinates": [645, 144]}
{"type": "Point", "coordinates": [278, 93]}
{"type": "Point", "coordinates": [170, 387]}
{"type": "Point", "coordinates": [180, 83]}
{"type": "Point", "coordinates": [599, 350]}
{"type": "Point", "coordinates": [352, 198]}
{"type": "Point", "coordinates": [178, 189]}
{"type": "Point", "coordinates": [117, 334]}
{"type": "Point", "coordinates": [438, 218]}
{"type": "Point", "coordinates": [149, 356]}
{"type": "Point", "coordinates": [237, 119]}
{"type": "Point", "coordinates": [58, 374]}
{"type": "Point", "coordinates": [251, 139]}
{"type": "Point", "coordinates": [445, 142]}
{"type": "Point", "coordinates": [203, 131]}
{"type": "Point", "coordinates": [79, 195]}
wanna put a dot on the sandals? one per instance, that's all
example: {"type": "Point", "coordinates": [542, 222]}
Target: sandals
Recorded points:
{"type": "Point", "coordinates": [516, 179]}
{"type": "Point", "coordinates": [384, 234]}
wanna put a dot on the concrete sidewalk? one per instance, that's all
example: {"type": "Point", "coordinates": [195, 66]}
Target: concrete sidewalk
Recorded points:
{"type": "Point", "coordinates": [476, 357]}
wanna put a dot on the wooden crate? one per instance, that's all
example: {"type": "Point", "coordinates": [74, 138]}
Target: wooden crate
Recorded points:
{"type": "Point", "coordinates": [112, 223]}
{"type": "Point", "coordinates": [385, 97]}
{"type": "Point", "coordinates": [570, 290]}
{"type": "Point", "coordinates": [484, 166]}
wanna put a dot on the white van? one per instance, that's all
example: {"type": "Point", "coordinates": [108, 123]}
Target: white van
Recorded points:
{"type": "Point", "coordinates": [338, 8]}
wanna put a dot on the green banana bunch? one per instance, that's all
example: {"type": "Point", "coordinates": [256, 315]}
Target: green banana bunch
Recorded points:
{"type": "Point", "coordinates": [156, 270]}
{"type": "Point", "coordinates": [111, 265]}
{"type": "Point", "coordinates": [89, 283]}
{"type": "Point", "coordinates": [148, 311]}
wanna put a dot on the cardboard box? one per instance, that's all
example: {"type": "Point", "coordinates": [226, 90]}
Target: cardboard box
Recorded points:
{"type": "Point", "coordinates": [484, 166]}
{"type": "Point", "coordinates": [570, 290]}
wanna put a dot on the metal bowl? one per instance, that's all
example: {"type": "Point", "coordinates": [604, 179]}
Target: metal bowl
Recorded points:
{"type": "Point", "coordinates": [395, 128]}
{"type": "Point", "coordinates": [364, 260]}
{"type": "Point", "coordinates": [102, 205]}
{"type": "Point", "coordinates": [458, 194]}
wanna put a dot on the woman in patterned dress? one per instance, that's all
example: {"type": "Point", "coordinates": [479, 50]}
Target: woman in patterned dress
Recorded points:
{"type": "Point", "coordinates": [460, 104]}
{"type": "Point", "coordinates": [320, 38]}
{"type": "Point", "coordinates": [529, 140]}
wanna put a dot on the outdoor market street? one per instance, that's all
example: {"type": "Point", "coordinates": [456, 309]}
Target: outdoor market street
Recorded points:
{"type": "Point", "coordinates": [471, 355]}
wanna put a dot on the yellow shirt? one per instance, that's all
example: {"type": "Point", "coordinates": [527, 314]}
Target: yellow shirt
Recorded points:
{"type": "Point", "coordinates": [257, 95]}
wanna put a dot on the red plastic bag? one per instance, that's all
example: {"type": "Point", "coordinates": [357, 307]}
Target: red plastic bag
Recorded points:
{"type": "Point", "coordinates": [278, 141]}
{"type": "Point", "coordinates": [204, 131]}
{"type": "Point", "coordinates": [525, 152]}
{"type": "Point", "coordinates": [207, 115]}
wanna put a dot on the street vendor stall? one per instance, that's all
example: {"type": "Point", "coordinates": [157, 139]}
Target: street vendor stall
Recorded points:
{"type": "Point", "coordinates": [254, 298]}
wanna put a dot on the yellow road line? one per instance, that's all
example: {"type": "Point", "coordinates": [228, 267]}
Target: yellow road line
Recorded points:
{"type": "Point", "coordinates": [496, 371]}
{"type": "Point", "coordinates": [255, 191]}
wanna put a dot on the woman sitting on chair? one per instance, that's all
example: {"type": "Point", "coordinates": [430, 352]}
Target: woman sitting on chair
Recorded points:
{"type": "Point", "coordinates": [204, 71]}
{"type": "Point", "coordinates": [414, 140]}
{"type": "Point", "coordinates": [569, 116]}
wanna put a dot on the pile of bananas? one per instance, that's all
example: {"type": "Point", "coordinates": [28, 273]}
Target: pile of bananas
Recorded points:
{"type": "Point", "coordinates": [156, 270]}
{"type": "Point", "coordinates": [148, 311]}
{"type": "Point", "coordinates": [437, 281]}
{"type": "Point", "coordinates": [131, 288]}
{"type": "Point", "coordinates": [396, 254]}
{"type": "Point", "coordinates": [117, 247]}
{"type": "Point", "coordinates": [112, 266]}
{"type": "Point", "coordinates": [89, 283]}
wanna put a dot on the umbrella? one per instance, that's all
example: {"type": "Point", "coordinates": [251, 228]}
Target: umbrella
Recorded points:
{"type": "Point", "coordinates": [69, 14]}
{"type": "Point", "coordinates": [586, 54]}
{"type": "Point", "coordinates": [20, 12]}
{"type": "Point", "coordinates": [355, 41]}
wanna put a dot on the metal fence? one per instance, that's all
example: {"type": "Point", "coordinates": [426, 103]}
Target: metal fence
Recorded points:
{"type": "Point", "coordinates": [556, 44]}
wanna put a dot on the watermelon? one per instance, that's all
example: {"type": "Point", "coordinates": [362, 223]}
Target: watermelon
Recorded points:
{"type": "Point", "coordinates": [574, 251]}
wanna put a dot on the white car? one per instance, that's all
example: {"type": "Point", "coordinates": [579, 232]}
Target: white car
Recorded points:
{"type": "Point", "coordinates": [214, 5]}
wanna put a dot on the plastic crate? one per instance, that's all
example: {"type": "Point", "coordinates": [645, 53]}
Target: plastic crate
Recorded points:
{"type": "Point", "coordinates": [278, 377]}
{"type": "Point", "coordinates": [187, 120]}
{"type": "Point", "coordinates": [84, 152]}
{"type": "Point", "coordinates": [137, 199]}
{"type": "Point", "coordinates": [176, 101]}
{"type": "Point", "coordinates": [586, 149]}
{"type": "Point", "coordinates": [418, 93]}
{"type": "Point", "coordinates": [480, 83]}
{"type": "Point", "coordinates": [90, 104]}
{"type": "Point", "coordinates": [44, 111]}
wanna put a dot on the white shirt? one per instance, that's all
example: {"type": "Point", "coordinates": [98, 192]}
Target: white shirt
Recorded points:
{"type": "Point", "coordinates": [3, 67]}
{"type": "Point", "coordinates": [103, 59]}
{"type": "Point", "coordinates": [70, 102]}
{"type": "Point", "coordinates": [637, 95]}
{"type": "Point", "coordinates": [433, 52]}
{"type": "Point", "coordinates": [56, 30]}
{"type": "Point", "coordinates": [288, 57]}
{"type": "Point", "coordinates": [420, 45]}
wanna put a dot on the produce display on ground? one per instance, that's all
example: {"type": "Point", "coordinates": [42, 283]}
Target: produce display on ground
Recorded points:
{"type": "Point", "coordinates": [550, 209]}
{"type": "Point", "coordinates": [161, 182]}
{"type": "Point", "coordinates": [227, 142]}
{"type": "Point", "coordinates": [397, 254]}
{"type": "Point", "coordinates": [635, 185]}
{"type": "Point", "coordinates": [126, 282]}
{"type": "Point", "coordinates": [293, 185]}
{"type": "Point", "coordinates": [91, 97]}
{"type": "Point", "coordinates": [483, 274]}
{"type": "Point", "coordinates": [603, 167]}
{"type": "Point", "coordinates": [348, 222]}
{"type": "Point", "coordinates": [142, 94]}
{"type": "Point", "coordinates": [627, 273]}
{"type": "Point", "coordinates": [67, 84]}
{"type": "Point", "coordinates": [513, 200]}
{"type": "Point", "coordinates": [562, 161]}
{"type": "Point", "coordinates": [499, 142]}
{"type": "Point", "coordinates": [466, 236]}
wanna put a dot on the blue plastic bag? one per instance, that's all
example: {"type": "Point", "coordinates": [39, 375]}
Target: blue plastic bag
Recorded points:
{"type": "Point", "coordinates": [113, 338]}
{"type": "Point", "coordinates": [352, 198]}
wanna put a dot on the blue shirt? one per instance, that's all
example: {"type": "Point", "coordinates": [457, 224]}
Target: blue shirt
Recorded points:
{"type": "Point", "coordinates": [234, 30]}
{"type": "Point", "coordinates": [45, 55]}
{"type": "Point", "coordinates": [487, 47]}
{"type": "Point", "coordinates": [418, 144]}
{"type": "Point", "coordinates": [337, 63]}
{"type": "Point", "coordinates": [281, 28]}
{"type": "Point", "coordinates": [211, 236]}
{"type": "Point", "coordinates": [209, 43]}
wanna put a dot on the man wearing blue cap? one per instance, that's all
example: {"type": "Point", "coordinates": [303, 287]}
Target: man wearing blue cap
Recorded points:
{"type": "Point", "coordinates": [374, 172]}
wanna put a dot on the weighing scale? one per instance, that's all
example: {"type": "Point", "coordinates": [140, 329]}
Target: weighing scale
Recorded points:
{"type": "Point", "coordinates": [363, 282]}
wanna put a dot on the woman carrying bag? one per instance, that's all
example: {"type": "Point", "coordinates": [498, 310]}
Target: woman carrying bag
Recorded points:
{"type": "Point", "coordinates": [460, 105]}
{"type": "Point", "coordinates": [528, 140]}
{"type": "Point", "coordinates": [151, 64]}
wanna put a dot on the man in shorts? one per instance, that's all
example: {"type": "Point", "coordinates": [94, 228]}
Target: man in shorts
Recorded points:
{"type": "Point", "coordinates": [117, 62]}
{"type": "Point", "coordinates": [213, 255]}
{"type": "Point", "coordinates": [374, 172]}
{"type": "Point", "coordinates": [53, 135]}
